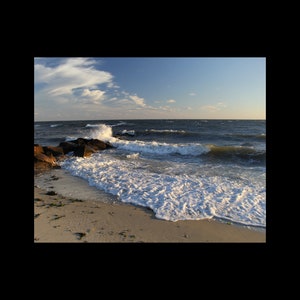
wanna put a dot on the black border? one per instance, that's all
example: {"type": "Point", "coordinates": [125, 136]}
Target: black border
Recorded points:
{"type": "Point", "coordinates": [125, 253]}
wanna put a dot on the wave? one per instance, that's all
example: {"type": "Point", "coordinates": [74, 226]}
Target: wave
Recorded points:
{"type": "Point", "coordinates": [173, 197]}
{"type": "Point", "coordinates": [119, 124]}
{"type": "Point", "coordinates": [93, 125]}
{"type": "Point", "coordinates": [193, 149]}
{"type": "Point", "coordinates": [104, 132]}
{"type": "Point", "coordinates": [232, 152]}
{"type": "Point", "coordinates": [165, 131]}
{"type": "Point", "coordinates": [261, 136]}
{"type": "Point", "coordinates": [127, 132]}
{"type": "Point", "coordinates": [55, 125]}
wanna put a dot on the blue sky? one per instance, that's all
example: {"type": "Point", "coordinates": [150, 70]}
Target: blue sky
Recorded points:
{"type": "Point", "coordinates": [96, 88]}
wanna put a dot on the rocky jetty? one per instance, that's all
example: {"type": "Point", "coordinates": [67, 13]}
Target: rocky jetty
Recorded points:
{"type": "Point", "coordinates": [47, 157]}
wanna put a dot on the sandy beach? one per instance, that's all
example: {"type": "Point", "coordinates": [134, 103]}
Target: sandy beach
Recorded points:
{"type": "Point", "coordinates": [67, 210]}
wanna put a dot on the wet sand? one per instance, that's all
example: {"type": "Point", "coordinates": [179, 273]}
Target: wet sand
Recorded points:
{"type": "Point", "coordinates": [67, 209]}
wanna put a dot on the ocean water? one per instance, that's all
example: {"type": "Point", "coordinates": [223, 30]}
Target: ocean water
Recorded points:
{"type": "Point", "coordinates": [181, 169]}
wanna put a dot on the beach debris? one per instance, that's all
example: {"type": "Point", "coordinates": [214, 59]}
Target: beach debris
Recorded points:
{"type": "Point", "coordinates": [59, 204]}
{"type": "Point", "coordinates": [36, 215]}
{"type": "Point", "coordinates": [75, 200]}
{"type": "Point", "coordinates": [51, 193]}
{"type": "Point", "coordinates": [56, 217]}
{"type": "Point", "coordinates": [79, 235]}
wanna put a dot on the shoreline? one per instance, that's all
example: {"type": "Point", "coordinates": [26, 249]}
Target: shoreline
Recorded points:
{"type": "Point", "coordinates": [68, 210]}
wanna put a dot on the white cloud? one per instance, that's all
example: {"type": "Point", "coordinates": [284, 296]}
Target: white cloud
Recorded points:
{"type": "Point", "coordinates": [75, 89]}
{"type": "Point", "coordinates": [93, 95]}
{"type": "Point", "coordinates": [72, 74]}
{"type": "Point", "coordinates": [192, 94]}
{"type": "Point", "coordinates": [171, 101]}
{"type": "Point", "coordinates": [138, 100]}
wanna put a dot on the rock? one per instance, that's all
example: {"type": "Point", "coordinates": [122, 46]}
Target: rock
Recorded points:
{"type": "Point", "coordinates": [79, 235]}
{"type": "Point", "coordinates": [80, 141]}
{"type": "Point", "coordinates": [50, 159]}
{"type": "Point", "coordinates": [84, 151]}
{"type": "Point", "coordinates": [46, 157]}
{"type": "Point", "coordinates": [56, 151]}
{"type": "Point", "coordinates": [38, 149]}
{"type": "Point", "coordinates": [97, 144]}
{"type": "Point", "coordinates": [68, 146]}
{"type": "Point", "coordinates": [51, 193]}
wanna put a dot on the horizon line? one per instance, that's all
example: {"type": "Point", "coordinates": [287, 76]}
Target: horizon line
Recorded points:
{"type": "Point", "coordinates": [74, 120]}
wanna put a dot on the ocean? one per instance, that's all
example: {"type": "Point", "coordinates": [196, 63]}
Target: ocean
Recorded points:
{"type": "Point", "coordinates": [180, 169]}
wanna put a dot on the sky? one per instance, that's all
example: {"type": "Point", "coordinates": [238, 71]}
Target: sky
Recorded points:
{"type": "Point", "coordinates": [116, 88]}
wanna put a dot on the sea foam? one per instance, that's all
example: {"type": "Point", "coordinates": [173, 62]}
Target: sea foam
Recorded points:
{"type": "Point", "coordinates": [173, 197]}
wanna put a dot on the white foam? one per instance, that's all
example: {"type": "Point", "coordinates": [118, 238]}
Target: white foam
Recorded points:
{"type": "Point", "coordinates": [70, 138]}
{"type": "Point", "coordinates": [104, 133]}
{"type": "Point", "coordinates": [118, 124]}
{"type": "Point", "coordinates": [173, 196]}
{"type": "Point", "coordinates": [133, 156]}
{"type": "Point", "coordinates": [129, 132]}
{"type": "Point", "coordinates": [92, 125]}
{"type": "Point", "coordinates": [166, 131]}
{"type": "Point", "coordinates": [161, 148]}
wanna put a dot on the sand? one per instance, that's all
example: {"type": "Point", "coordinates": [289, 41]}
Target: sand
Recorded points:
{"type": "Point", "coordinates": [67, 210]}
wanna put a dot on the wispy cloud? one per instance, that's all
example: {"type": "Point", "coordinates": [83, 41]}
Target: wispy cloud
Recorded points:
{"type": "Point", "coordinates": [171, 101]}
{"type": "Point", "coordinates": [75, 88]}
{"type": "Point", "coordinates": [214, 108]}
{"type": "Point", "coordinates": [72, 73]}
{"type": "Point", "coordinates": [138, 100]}
{"type": "Point", "coordinates": [192, 94]}
{"type": "Point", "coordinates": [76, 85]}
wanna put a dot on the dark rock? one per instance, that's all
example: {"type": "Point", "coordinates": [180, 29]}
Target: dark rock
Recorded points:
{"type": "Point", "coordinates": [97, 144]}
{"type": "Point", "coordinates": [68, 146]}
{"type": "Point", "coordinates": [80, 141]}
{"type": "Point", "coordinates": [84, 151]}
{"type": "Point", "coordinates": [56, 151]}
{"type": "Point", "coordinates": [51, 193]}
{"type": "Point", "coordinates": [46, 157]}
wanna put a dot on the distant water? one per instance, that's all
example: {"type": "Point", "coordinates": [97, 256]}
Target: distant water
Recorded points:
{"type": "Point", "coordinates": [181, 169]}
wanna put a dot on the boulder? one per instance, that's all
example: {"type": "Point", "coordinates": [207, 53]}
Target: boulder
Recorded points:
{"type": "Point", "coordinates": [84, 151]}
{"type": "Point", "coordinates": [38, 149]}
{"type": "Point", "coordinates": [43, 162]}
{"type": "Point", "coordinates": [46, 157]}
{"type": "Point", "coordinates": [97, 144]}
{"type": "Point", "coordinates": [49, 159]}
{"type": "Point", "coordinates": [68, 146]}
{"type": "Point", "coordinates": [56, 151]}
